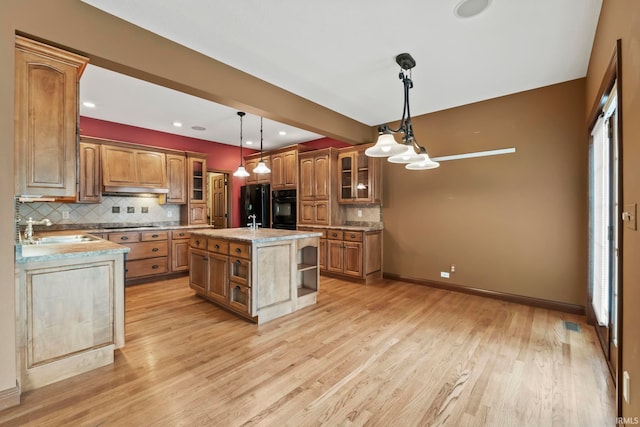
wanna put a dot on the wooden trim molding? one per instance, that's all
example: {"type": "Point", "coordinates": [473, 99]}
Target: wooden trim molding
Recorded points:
{"type": "Point", "coordinates": [518, 299]}
{"type": "Point", "coordinates": [9, 397]}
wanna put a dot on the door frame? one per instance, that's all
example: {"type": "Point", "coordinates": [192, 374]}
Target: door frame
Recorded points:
{"type": "Point", "coordinates": [229, 185]}
{"type": "Point", "coordinates": [612, 75]}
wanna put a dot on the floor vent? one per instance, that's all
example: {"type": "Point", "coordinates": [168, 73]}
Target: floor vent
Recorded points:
{"type": "Point", "coordinates": [571, 326]}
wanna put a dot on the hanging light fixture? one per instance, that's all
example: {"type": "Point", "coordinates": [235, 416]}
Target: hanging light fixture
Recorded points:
{"type": "Point", "coordinates": [261, 167]}
{"type": "Point", "coordinates": [241, 172]}
{"type": "Point", "coordinates": [409, 152]}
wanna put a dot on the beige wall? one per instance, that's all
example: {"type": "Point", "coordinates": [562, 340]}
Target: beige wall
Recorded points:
{"type": "Point", "coordinates": [514, 223]}
{"type": "Point", "coordinates": [620, 19]}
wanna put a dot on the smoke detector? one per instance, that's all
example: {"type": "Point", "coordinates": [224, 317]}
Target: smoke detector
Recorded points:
{"type": "Point", "coordinates": [469, 8]}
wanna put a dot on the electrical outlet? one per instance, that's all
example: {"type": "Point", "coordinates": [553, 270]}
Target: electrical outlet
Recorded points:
{"type": "Point", "coordinates": [169, 214]}
{"type": "Point", "coordinates": [453, 268]}
{"type": "Point", "coordinates": [65, 214]}
{"type": "Point", "coordinates": [359, 213]}
{"type": "Point", "coordinates": [625, 386]}
{"type": "Point", "coordinates": [444, 274]}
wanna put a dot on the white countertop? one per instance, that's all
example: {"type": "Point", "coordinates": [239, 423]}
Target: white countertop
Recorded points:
{"type": "Point", "coordinates": [255, 236]}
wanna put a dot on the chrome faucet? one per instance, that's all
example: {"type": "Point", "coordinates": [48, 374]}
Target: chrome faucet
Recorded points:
{"type": "Point", "coordinates": [28, 231]}
{"type": "Point", "coordinates": [253, 225]}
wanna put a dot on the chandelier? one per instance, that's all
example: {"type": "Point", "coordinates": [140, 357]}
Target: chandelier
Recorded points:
{"type": "Point", "coordinates": [409, 152]}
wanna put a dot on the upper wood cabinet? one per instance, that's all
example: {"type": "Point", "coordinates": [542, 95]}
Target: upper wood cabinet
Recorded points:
{"type": "Point", "coordinates": [46, 117]}
{"type": "Point", "coordinates": [358, 177]}
{"type": "Point", "coordinates": [257, 178]}
{"type": "Point", "coordinates": [90, 177]}
{"type": "Point", "coordinates": [284, 169]}
{"type": "Point", "coordinates": [177, 178]}
{"type": "Point", "coordinates": [127, 169]}
{"type": "Point", "coordinates": [195, 210]}
{"type": "Point", "coordinates": [317, 202]}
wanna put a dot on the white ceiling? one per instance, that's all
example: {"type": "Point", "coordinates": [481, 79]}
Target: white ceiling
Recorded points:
{"type": "Point", "coordinates": [340, 54]}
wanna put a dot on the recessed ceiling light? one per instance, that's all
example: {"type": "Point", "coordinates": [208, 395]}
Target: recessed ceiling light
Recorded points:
{"type": "Point", "coordinates": [249, 142]}
{"type": "Point", "coordinates": [177, 124]}
{"type": "Point", "coordinates": [469, 8]}
{"type": "Point", "coordinates": [89, 104]}
{"type": "Point", "coordinates": [198, 128]}
{"type": "Point", "coordinates": [282, 132]}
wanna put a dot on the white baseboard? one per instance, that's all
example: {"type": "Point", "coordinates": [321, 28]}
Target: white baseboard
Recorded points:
{"type": "Point", "coordinates": [9, 397]}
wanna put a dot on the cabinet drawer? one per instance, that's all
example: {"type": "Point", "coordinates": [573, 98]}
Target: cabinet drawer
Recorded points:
{"type": "Point", "coordinates": [240, 271]}
{"type": "Point", "coordinates": [198, 242]}
{"type": "Point", "coordinates": [146, 267]}
{"type": "Point", "coordinates": [240, 297]}
{"type": "Point", "coordinates": [180, 234]}
{"type": "Point", "coordinates": [147, 236]}
{"type": "Point", "coordinates": [242, 250]}
{"type": "Point", "coordinates": [353, 236]}
{"type": "Point", "coordinates": [148, 250]}
{"type": "Point", "coordinates": [218, 246]}
{"type": "Point", "coordinates": [127, 237]}
{"type": "Point", "coordinates": [335, 234]}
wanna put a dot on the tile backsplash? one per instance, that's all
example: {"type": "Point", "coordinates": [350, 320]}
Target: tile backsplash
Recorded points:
{"type": "Point", "coordinates": [113, 209]}
{"type": "Point", "coordinates": [370, 214]}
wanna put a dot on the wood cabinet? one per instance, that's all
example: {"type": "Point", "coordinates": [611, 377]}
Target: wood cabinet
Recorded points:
{"type": "Point", "coordinates": [46, 119]}
{"type": "Point", "coordinates": [176, 179]}
{"type": "Point", "coordinates": [284, 169]}
{"type": "Point", "coordinates": [195, 210]}
{"type": "Point", "coordinates": [358, 177]}
{"type": "Point", "coordinates": [317, 195]}
{"type": "Point", "coordinates": [89, 173]}
{"type": "Point", "coordinates": [179, 250]}
{"type": "Point", "coordinates": [126, 169]}
{"type": "Point", "coordinates": [257, 178]}
{"type": "Point", "coordinates": [356, 254]}
{"type": "Point", "coordinates": [69, 314]}
{"type": "Point", "coordinates": [149, 252]}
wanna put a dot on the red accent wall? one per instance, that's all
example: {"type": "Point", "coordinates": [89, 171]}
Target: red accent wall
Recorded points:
{"type": "Point", "coordinates": [221, 157]}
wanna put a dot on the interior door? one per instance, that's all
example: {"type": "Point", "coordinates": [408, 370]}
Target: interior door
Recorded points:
{"type": "Point", "coordinates": [219, 203]}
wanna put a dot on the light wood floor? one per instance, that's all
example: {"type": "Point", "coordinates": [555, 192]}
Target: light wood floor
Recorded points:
{"type": "Point", "coordinates": [391, 354]}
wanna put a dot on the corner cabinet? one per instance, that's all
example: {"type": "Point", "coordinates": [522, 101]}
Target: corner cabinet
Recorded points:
{"type": "Point", "coordinates": [359, 177]}
{"type": "Point", "coordinates": [46, 119]}
{"type": "Point", "coordinates": [194, 212]}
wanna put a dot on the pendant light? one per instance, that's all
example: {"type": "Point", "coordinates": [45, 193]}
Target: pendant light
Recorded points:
{"type": "Point", "coordinates": [261, 168]}
{"type": "Point", "coordinates": [241, 172]}
{"type": "Point", "coordinates": [409, 152]}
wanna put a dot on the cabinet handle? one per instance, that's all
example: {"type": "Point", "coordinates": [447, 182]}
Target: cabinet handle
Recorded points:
{"type": "Point", "coordinates": [217, 246]}
{"type": "Point", "coordinates": [154, 236]}
{"type": "Point", "coordinates": [126, 270]}
{"type": "Point", "coordinates": [335, 234]}
{"type": "Point", "coordinates": [197, 242]}
{"type": "Point", "coordinates": [238, 250]}
{"type": "Point", "coordinates": [155, 250]}
{"type": "Point", "coordinates": [154, 266]}
{"type": "Point", "coordinates": [237, 262]}
{"type": "Point", "coordinates": [124, 238]}
{"type": "Point", "coordinates": [353, 236]}
{"type": "Point", "coordinates": [181, 234]}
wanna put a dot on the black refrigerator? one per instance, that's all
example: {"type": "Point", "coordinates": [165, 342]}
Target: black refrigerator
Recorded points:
{"type": "Point", "coordinates": [255, 200]}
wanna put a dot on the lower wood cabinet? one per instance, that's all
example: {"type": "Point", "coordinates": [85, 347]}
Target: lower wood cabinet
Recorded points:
{"type": "Point", "coordinates": [350, 253]}
{"type": "Point", "coordinates": [218, 283]}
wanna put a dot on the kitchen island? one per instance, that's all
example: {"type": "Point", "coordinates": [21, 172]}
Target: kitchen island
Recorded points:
{"type": "Point", "coordinates": [260, 274]}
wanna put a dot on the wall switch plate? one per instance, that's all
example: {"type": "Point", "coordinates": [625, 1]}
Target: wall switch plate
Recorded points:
{"type": "Point", "coordinates": [169, 214]}
{"type": "Point", "coordinates": [444, 274]}
{"type": "Point", "coordinates": [629, 216]}
{"type": "Point", "coordinates": [625, 386]}
{"type": "Point", "coordinates": [359, 213]}
{"type": "Point", "coordinates": [65, 214]}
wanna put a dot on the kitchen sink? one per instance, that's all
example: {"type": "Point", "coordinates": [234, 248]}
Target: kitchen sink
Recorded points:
{"type": "Point", "coordinates": [55, 240]}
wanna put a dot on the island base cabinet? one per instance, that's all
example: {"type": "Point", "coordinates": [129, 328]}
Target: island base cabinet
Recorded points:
{"type": "Point", "coordinates": [260, 281]}
{"type": "Point", "coordinates": [70, 317]}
